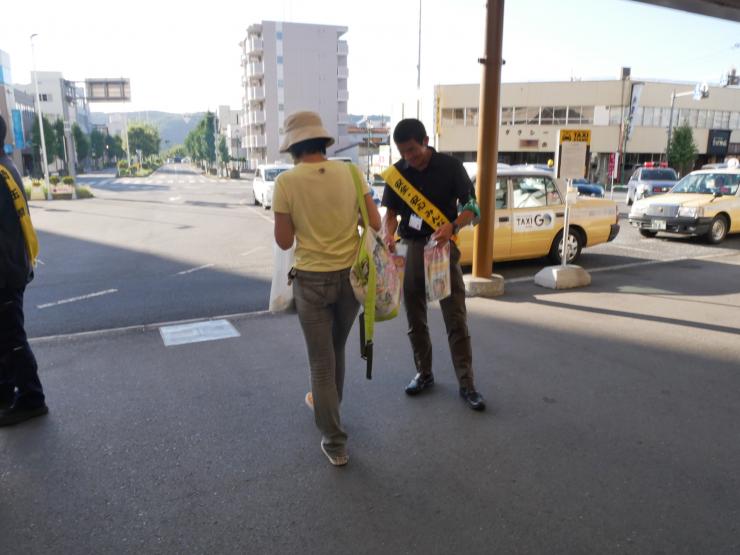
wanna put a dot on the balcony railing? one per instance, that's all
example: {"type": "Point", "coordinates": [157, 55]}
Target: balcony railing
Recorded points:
{"type": "Point", "coordinates": [342, 49]}
{"type": "Point", "coordinates": [256, 68]}
{"type": "Point", "coordinates": [257, 117]}
{"type": "Point", "coordinates": [257, 141]}
{"type": "Point", "coordinates": [342, 95]}
{"type": "Point", "coordinates": [255, 45]}
{"type": "Point", "coordinates": [343, 72]}
{"type": "Point", "coordinates": [256, 94]}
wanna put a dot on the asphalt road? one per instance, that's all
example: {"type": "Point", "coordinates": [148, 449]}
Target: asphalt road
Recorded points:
{"type": "Point", "coordinates": [180, 245]}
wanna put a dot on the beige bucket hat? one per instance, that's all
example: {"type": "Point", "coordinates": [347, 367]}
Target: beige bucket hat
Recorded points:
{"type": "Point", "coordinates": [303, 126]}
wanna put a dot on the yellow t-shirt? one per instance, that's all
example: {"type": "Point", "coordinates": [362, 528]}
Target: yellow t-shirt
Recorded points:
{"type": "Point", "coordinates": [322, 202]}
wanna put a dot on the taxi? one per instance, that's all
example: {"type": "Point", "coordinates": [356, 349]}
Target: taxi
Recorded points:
{"type": "Point", "coordinates": [704, 203]}
{"type": "Point", "coordinates": [529, 219]}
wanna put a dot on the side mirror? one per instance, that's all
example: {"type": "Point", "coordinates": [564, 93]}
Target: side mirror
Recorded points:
{"type": "Point", "coordinates": [717, 194]}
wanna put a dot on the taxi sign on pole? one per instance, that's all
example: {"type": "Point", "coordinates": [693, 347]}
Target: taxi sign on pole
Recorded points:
{"type": "Point", "coordinates": [574, 151]}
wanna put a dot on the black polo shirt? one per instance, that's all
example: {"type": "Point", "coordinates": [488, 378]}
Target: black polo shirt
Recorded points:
{"type": "Point", "coordinates": [444, 182]}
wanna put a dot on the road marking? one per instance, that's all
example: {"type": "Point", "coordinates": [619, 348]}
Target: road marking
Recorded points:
{"type": "Point", "coordinates": [196, 332]}
{"type": "Point", "coordinates": [191, 270]}
{"type": "Point", "coordinates": [631, 248]}
{"type": "Point", "coordinates": [260, 214]}
{"type": "Point", "coordinates": [634, 265]}
{"type": "Point", "coordinates": [172, 199]}
{"type": "Point", "coordinates": [40, 261]}
{"type": "Point", "coordinates": [80, 298]}
{"type": "Point", "coordinates": [250, 251]}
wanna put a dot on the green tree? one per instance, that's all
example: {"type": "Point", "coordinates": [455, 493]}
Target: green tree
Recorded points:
{"type": "Point", "coordinates": [223, 151]}
{"type": "Point", "coordinates": [97, 146]}
{"type": "Point", "coordinates": [143, 137]}
{"type": "Point", "coordinates": [82, 143]}
{"type": "Point", "coordinates": [49, 140]}
{"type": "Point", "coordinates": [210, 137]}
{"type": "Point", "coordinates": [59, 153]}
{"type": "Point", "coordinates": [114, 146]}
{"type": "Point", "coordinates": [176, 151]}
{"type": "Point", "coordinates": [682, 151]}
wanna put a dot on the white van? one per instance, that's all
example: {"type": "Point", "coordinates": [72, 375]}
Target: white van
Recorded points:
{"type": "Point", "coordinates": [263, 183]}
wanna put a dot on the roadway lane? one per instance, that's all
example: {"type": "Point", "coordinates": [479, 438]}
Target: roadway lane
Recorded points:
{"type": "Point", "coordinates": [175, 245]}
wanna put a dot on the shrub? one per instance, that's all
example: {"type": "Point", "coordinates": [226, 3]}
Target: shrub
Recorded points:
{"type": "Point", "coordinates": [68, 180]}
{"type": "Point", "coordinates": [54, 180]}
{"type": "Point", "coordinates": [83, 192]}
{"type": "Point", "coordinates": [122, 164]}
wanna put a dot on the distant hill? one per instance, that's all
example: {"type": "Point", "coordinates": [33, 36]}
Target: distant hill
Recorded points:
{"type": "Point", "coordinates": [172, 127]}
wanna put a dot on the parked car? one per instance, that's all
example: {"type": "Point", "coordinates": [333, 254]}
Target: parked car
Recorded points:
{"type": "Point", "coordinates": [588, 189]}
{"type": "Point", "coordinates": [705, 203]}
{"type": "Point", "coordinates": [648, 180]}
{"type": "Point", "coordinates": [529, 219]}
{"type": "Point", "coordinates": [263, 183]}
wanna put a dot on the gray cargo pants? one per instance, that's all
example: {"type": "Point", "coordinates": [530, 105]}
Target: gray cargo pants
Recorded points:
{"type": "Point", "coordinates": [326, 309]}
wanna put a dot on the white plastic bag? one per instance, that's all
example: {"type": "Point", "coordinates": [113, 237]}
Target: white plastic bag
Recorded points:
{"type": "Point", "coordinates": [281, 293]}
{"type": "Point", "coordinates": [437, 270]}
{"type": "Point", "coordinates": [388, 276]}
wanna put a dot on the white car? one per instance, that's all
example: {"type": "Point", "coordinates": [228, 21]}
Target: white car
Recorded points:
{"type": "Point", "coordinates": [263, 184]}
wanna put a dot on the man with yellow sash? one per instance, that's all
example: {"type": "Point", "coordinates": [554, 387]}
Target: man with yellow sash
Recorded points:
{"type": "Point", "coordinates": [21, 394]}
{"type": "Point", "coordinates": [424, 189]}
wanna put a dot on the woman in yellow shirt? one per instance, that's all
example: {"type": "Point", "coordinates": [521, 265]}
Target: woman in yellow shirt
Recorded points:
{"type": "Point", "coordinates": [316, 205]}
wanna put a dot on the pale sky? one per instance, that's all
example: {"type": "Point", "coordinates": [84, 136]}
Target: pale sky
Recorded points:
{"type": "Point", "coordinates": [185, 58]}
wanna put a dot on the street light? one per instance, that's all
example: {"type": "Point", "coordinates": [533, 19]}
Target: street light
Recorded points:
{"type": "Point", "coordinates": [700, 92]}
{"type": "Point", "coordinates": [44, 163]}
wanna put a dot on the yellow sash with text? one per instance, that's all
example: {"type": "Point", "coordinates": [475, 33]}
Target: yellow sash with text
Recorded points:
{"type": "Point", "coordinates": [419, 204]}
{"type": "Point", "coordinates": [19, 202]}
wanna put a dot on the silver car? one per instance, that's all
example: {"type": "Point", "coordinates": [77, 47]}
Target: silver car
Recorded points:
{"type": "Point", "coordinates": [646, 182]}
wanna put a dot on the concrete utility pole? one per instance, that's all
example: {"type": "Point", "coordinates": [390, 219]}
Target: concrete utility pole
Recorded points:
{"type": "Point", "coordinates": [44, 163]}
{"type": "Point", "coordinates": [482, 282]}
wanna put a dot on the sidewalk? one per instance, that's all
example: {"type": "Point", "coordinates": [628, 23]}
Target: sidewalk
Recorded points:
{"type": "Point", "coordinates": [612, 428]}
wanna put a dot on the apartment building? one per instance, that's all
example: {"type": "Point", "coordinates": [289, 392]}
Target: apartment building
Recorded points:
{"type": "Point", "coordinates": [532, 113]}
{"type": "Point", "coordinates": [18, 111]}
{"type": "Point", "coordinates": [289, 67]}
{"type": "Point", "coordinates": [230, 126]}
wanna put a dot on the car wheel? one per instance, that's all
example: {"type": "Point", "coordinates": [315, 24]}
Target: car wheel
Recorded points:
{"type": "Point", "coordinates": [717, 230]}
{"type": "Point", "coordinates": [647, 233]}
{"type": "Point", "coordinates": [575, 244]}
{"type": "Point", "coordinates": [629, 200]}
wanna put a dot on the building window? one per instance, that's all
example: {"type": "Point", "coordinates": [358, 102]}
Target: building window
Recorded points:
{"type": "Point", "coordinates": [580, 114]}
{"type": "Point", "coordinates": [647, 117]}
{"type": "Point", "coordinates": [693, 115]}
{"type": "Point", "coordinates": [734, 120]}
{"type": "Point", "coordinates": [281, 107]}
{"type": "Point", "coordinates": [43, 97]}
{"type": "Point", "coordinates": [448, 116]}
{"type": "Point", "coordinates": [280, 83]}
{"type": "Point", "coordinates": [637, 116]}
{"type": "Point", "coordinates": [279, 35]}
{"type": "Point", "coordinates": [471, 117]}
{"type": "Point", "coordinates": [279, 60]}
{"type": "Point", "coordinates": [701, 122]}
{"type": "Point", "coordinates": [507, 115]}
{"type": "Point", "coordinates": [615, 115]}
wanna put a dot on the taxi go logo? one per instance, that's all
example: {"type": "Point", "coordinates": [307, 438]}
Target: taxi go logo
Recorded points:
{"type": "Point", "coordinates": [534, 221]}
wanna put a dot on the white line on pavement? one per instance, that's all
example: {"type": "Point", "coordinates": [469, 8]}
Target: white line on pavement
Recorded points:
{"type": "Point", "coordinates": [40, 261]}
{"type": "Point", "coordinates": [191, 270]}
{"type": "Point", "coordinates": [250, 251]}
{"type": "Point", "coordinates": [80, 298]}
{"type": "Point", "coordinates": [173, 199]}
{"type": "Point", "coordinates": [634, 265]}
{"type": "Point", "coordinates": [260, 214]}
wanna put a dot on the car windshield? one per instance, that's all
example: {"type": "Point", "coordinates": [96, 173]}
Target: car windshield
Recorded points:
{"type": "Point", "coordinates": [664, 174]}
{"type": "Point", "coordinates": [271, 174]}
{"type": "Point", "coordinates": [708, 183]}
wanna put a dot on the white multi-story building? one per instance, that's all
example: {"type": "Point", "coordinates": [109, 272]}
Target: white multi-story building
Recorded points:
{"type": "Point", "coordinates": [532, 113]}
{"type": "Point", "coordinates": [230, 126]}
{"type": "Point", "coordinates": [289, 67]}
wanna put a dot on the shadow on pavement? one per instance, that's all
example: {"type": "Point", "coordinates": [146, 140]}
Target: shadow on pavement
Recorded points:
{"type": "Point", "coordinates": [149, 288]}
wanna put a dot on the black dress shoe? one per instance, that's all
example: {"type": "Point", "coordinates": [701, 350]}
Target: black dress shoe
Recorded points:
{"type": "Point", "coordinates": [16, 415]}
{"type": "Point", "coordinates": [473, 398]}
{"type": "Point", "coordinates": [419, 384]}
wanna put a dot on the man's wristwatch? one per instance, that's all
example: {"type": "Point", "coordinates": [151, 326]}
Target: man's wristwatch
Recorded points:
{"type": "Point", "coordinates": [455, 228]}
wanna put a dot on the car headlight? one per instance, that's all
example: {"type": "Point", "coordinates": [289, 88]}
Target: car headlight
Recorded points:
{"type": "Point", "coordinates": [691, 211]}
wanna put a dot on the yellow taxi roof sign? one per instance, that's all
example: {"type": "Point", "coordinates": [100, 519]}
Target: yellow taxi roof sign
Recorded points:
{"type": "Point", "coordinates": [575, 136]}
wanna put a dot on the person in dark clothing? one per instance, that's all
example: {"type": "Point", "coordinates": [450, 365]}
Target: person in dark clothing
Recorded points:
{"type": "Point", "coordinates": [445, 183]}
{"type": "Point", "coordinates": [21, 394]}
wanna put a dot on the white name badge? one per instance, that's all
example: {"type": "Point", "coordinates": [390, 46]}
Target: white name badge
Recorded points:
{"type": "Point", "coordinates": [415, 222]}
